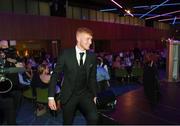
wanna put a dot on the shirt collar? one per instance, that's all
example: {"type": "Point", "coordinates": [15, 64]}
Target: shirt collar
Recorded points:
{"type": "Point", "coordinates": [79, 51]}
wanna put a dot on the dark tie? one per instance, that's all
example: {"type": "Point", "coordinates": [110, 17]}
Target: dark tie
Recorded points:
{"type": "Point", "coordinates": [81, 58]}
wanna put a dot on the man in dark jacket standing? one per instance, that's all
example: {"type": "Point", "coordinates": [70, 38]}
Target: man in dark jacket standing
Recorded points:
{"type": "Point", "coordinates": [79, 88]}
{"type": "Point", "coordinates": [150, 79]}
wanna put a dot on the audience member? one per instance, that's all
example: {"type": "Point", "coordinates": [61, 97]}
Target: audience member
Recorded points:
{"type": "Point", "coordinates": [41, 79]}
{"type": "Point", "coordinates": [102, 76]}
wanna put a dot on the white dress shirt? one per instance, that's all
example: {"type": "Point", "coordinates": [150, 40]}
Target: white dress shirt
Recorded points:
{"type": "Point", "coordinates": [78, 51]}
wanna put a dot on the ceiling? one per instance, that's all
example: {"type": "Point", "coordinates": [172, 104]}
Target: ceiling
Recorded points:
{"type": "Point", "coordinates": [144, 9]}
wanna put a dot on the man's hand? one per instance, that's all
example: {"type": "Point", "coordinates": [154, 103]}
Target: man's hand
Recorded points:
{"type": "Point", "coordinates": [95, 98]}
{"type": "Point", "coordinates": [52, 104]}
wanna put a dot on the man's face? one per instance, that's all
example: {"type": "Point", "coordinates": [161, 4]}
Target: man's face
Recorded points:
{"type": "Point", "coordinates": [84, 40]}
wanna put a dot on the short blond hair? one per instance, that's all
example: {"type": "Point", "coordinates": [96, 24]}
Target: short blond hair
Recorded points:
{"type": "Point", "coordinates": [84, 30]}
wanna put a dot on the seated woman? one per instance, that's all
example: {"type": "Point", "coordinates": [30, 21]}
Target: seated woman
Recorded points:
{"type": "Point", "coordinates": [41, 79]}
{"type": "Point", "coordinates": [29, 71]}
{"type": "Point", "coordinates": [117, 63]}
{"type": "Point", "coordinates": [102, 77]}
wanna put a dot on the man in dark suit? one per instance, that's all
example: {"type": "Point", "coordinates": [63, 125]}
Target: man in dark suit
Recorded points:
{"type": "Point", "coordinates": [150, 79]}
{"type": "Point", "coordinates": [79, 88]}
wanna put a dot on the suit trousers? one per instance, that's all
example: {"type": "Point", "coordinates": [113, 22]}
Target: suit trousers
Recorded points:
{"type": "Point", "coordinates": [85, 104]}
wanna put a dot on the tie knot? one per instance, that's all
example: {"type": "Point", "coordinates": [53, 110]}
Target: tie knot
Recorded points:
{"type": "Point", "coordinates": [81, 54]}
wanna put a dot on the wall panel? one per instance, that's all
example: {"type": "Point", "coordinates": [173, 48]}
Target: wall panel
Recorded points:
{"type": "Point", "coordinates": [20, 6]}
{"type": "Point", "coordinates": [6, 5]}
{"type": "Point", "coordinates": [44, 8]}
{"type": "Point", "coordinates": [32, 7]}
{"type": "Point", "coordinates": [92, 15]}
{"type": "Point", "coordinates": [29, 27]}
{"type": "Point", "coordinates": [76, 13]}
{"type": "Point", "coordinates": [70, 12]}
{"type": "Point", "coordinates": [106, 16]}
{"type": "Point", "coordinates": [100, 16]}
{"type": "Point", "coordinates": [85, 14]}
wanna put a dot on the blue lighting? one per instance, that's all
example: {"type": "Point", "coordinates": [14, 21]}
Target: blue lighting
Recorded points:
{"type": "Point", "coordinates": [105, 10]}
{"type": "Point", "coordinates": [165, 14]}
{"type": "Point", "coordinates": [143, 14]}
{"type": "Point", "coordinates": [154, 8]}
{"type": "Point", "coordinates": [172, 4]}
{"type": "Point", "coordinates": [137, 7]}
{"type": "Point", "coordinates": [174, 20]}
{"type": "Point", "coordinates": [175, 23]}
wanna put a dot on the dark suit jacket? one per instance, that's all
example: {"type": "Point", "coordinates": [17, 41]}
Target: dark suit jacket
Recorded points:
{"type": "Point", "coordinates": [67, 63]}
{"type": "Point", "coordinates": [150, 77]}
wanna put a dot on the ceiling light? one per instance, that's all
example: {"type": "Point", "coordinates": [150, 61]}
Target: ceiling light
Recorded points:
{"type": "Point", "coordinates": [129, 12]}
{"type": "Point", "coordinates": [116, 3]}
{"type": "Point", "coordinates": [105, 10]}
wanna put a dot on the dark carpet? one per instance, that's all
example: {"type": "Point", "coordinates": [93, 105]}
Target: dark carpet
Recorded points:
{"type": "Point", "coordinates": [26, 114]}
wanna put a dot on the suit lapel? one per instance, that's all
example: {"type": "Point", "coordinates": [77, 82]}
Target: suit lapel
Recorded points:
{"type": "Point", "coordinates": [74, 60]}
{"type": "Point", "coordinates": [87, 62]}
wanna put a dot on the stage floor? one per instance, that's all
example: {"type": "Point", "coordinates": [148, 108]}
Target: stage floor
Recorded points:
{"type": "Point", "coordinates": [134, 108]}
